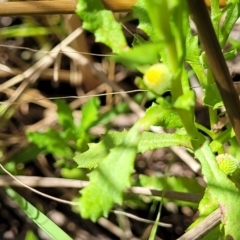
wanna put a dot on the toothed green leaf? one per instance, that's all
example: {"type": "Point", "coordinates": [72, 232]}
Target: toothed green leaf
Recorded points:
{"type": "Point", "coordinates": [110, 178]}
{"type": "Point", "coordinates": [102, 23]}
{"type": "Point", "coordinates": [148, 141]}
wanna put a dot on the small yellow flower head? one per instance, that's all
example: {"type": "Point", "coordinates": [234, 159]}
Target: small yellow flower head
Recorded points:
{"type": "Point", "coordinates": [158, 78]}
{"type": "Point", "coordinates": [227, 163]}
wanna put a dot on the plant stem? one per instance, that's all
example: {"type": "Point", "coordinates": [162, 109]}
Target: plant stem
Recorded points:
{"type": "Point", "coordinates": [216, 62]}
{"type": "Point", "coordinates": [212, 113]}
{"type": "Point", "coordinates": [177, 89]}
{"type": "Point", "coordinates": [205, 226]}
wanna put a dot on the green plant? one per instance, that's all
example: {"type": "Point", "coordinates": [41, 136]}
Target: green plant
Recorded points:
{"type": "Point", "coordinates": [172, 49]}
{"type": "Point", "coordinates": [167, 25]}
{"type": "Point", "coordinates": [71, 138]}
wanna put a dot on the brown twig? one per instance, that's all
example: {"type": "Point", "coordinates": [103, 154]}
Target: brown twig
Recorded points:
{"type": "Point", "coordinates": [57, 7]}
{"type": "Point", "coordinates": [37, 7]}
{"type": "Point", "coordinates": [129, 215]}
{"type": "Point", "coordinates": [209, 223]}
{"type": "Point", "coordinates": [64, 75]}
{"type": "Point", "coordinates": [216, 62]}
{"type": "Point", "coordinates": [49, 182]}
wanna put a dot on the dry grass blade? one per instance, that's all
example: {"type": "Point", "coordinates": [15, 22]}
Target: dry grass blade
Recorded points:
{"type": "Point", "coordinates": [56, 7]}
{"type": "Point", "coordinates": [112, 227]}
{"type": "Point", "coordinates": [48, 182]}
{"type": "Point", "coordinates": [32, 74]}
{"type": "Point", "coordinates": [188, 197]}
{"type": "Point", "coordinates": [141, 219]}
{"type": "Point", "coordinates": [64, 75]}
{"type": "Point", "coordinates": [37, 7]}
{"type": "Point", "coordinates": [36, 191]}
{"type": "Point", "coordinates": [43, 63]}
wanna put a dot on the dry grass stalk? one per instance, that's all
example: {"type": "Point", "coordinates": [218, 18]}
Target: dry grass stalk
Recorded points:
{"type": "Point", "coordinates": [56, 7]}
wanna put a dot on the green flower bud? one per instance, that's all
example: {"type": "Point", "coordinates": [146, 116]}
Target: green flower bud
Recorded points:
{"type": "Point", "coordinates": [227, 163]}
{"type": "Point", "coordinates": [158, 78]}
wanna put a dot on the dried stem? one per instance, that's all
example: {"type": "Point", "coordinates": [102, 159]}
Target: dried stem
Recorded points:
{"type": "Point", "coordinates": [199, 231]}
{"type": "Point", "coordinates": [37, 7]}
{"type": "Point", "coordinates": [216, 62]}
{"type": "Point", "coordinates": [56, 7]}
{"type": "Point", "coordinates": [48, 182]}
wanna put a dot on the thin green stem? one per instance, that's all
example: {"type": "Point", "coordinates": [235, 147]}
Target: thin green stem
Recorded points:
{"type": "Point", "coordinates": [205, 130]}
{"type": "Point", "coordinates": [212, 116]}
{"type": "Point", "coordinates": [187, 117]}
{"type": "Point", "coordinates": [212, 112]}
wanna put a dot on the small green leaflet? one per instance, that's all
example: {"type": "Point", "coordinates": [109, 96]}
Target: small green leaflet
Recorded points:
{"type": "Point", "coordinates": [212, 96]}
{"type": "Point", "coordinates": [52, 141]}
{"type": "Point", "coordinates": [65, 115]}
{"type": "Point", "coordinates": [65, 119]}
{"type": "Point", "coordinates": [230, 19]}
{"type": "Point", "coordinates": [161, 115]}
{"type": "Point", "coordinates": [102, 23]}
{"type": "Point", "coordinates": [139, 9]}
{"type": "Point", "coordinates": [186, 101]}
{"type": "Point", "coordinates": [135, 58]}
{"type": "Point", "coordinates": [89, 116]}
{"type": "Point", "coordinates": [193, 57]}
